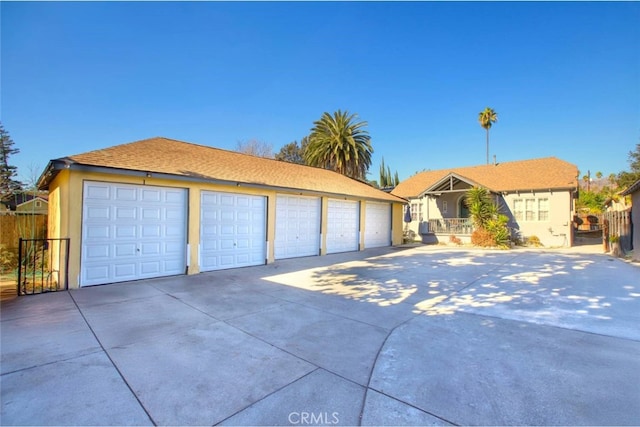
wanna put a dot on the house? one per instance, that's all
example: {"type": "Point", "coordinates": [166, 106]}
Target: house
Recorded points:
{"type": "Point", "coordinates": [634, 191]}
{"type": "Point", "coordinates": [537, 195]}
{"type": "Point", "coordinates": [161, 207]}
{"type": "Point", "coordinates": [26, 203]}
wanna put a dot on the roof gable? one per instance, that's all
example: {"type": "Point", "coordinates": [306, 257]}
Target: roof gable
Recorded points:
{"type": "Point", "coordinates": [202, 163]}
{"type": "Point", "coordinates": [549, 173]}
{"type": "Point", "coordinates": [448, 183]}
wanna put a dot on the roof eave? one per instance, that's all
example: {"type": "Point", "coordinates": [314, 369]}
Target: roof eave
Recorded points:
{"type": "Point", "coordinates": [631, 189]}
{"type": "Point", "coordinates": [55, 166]}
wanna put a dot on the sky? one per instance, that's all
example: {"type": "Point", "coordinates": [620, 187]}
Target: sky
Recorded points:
{"type": "Point", "coordinates": [564, 77]}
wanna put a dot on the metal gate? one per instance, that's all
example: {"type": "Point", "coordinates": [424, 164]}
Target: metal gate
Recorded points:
{"type": "Point", "coordinates": [43, 265]}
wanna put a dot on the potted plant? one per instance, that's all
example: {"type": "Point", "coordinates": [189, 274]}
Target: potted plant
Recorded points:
{"type": "Point", "coordinates": [614, 240]}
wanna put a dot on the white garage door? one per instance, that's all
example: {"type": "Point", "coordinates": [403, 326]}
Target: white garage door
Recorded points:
{"type": "Point", "coordinates": [232, 230]}
{"type": "Point", "coordinates": [377, 229]}
{"type": "Point", "coordinates": [343, 219]}
{"type": "Point", "coordinates": [132, 232]}
{"type": "Point", "coordinates": [297, 226]}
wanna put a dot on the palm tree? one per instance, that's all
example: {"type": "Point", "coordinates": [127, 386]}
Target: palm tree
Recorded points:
{"type": "Point", "coordinates": [487, 117]}
{"type": "Point", "coordinates": [339, 143]}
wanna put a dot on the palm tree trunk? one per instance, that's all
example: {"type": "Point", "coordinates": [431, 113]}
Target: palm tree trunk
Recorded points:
{"type": "Point", "coordinates": [487, 145]}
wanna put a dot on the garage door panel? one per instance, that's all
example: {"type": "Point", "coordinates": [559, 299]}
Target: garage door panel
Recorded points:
{"type": "Point", "coordinates": [150, 268]}
{"type": "Point", "coordinates": [297, 226]}
{"type": "Point", "coordinates": [99, 212]}
{"type": "Point", "coordinates": [151, 231]}
{"type": "Point", "coordinates": [377, 225]}
{"type": "Point", "coordinates": [98, 231]}
{"type": "Point", "coordinates": [125, 232]}
{"type": "Point", "coordinates": [151, 249]}
{"type": "Point", "coordinates": [99, 273]}
{"type": "Point", "coordinates": [121, 250]}
{"type": "Point", "coordinates": [125, 194]}
{"type": "Point", "coordinates": [343, 218]}
{"type": "Point", "coordinates": [124, 272]}
{"type": "Point", "coordinates": [97, 192]}
{"type": "Point", "coordinates": [123, 213]}
{"type": "Point", "coordinates": [233, 230]}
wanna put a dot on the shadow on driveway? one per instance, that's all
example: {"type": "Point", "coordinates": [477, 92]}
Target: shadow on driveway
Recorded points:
{"type": "Point", "coordinates": [423, 336]}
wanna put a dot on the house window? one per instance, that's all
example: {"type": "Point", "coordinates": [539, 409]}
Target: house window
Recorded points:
{"type": "Point", "coordinates": [529, 209]}
{"type": "Point", "coordinates": [416, 211]}
{"type": "Point", "coordinates": [38, 203]}
{"type": "Point", "coordinates": [444, 206]}
{"type": "Point", "coordinates": [543, 209]}
{"type": "Point", "coordinates": [518, 209]}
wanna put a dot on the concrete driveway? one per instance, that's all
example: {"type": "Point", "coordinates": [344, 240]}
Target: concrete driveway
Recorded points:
{"type": "Point", "coordinates": [420, 336]}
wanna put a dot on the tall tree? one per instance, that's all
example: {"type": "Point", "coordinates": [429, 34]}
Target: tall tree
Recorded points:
{"type": "Point", "coordinates": [386, 179]}
{"type": "Point", "coordinates": [487, 117]}
{"type": "Point", "coordinates": [626, 178]}
{"type": "Point", "coordinates": [634, 159]}
{"type": "Point", "coordinates": [292, 152]}
{"type": "Point", "coordinates": [255, 148]}
{"type": "Point", "coordinates": [8, 185]}
{"type": "Point", "coordinates": [340, 143]}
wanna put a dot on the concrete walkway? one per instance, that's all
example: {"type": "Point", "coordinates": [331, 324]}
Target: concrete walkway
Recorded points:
{"type": "Point", "coordinates": [420, 336]}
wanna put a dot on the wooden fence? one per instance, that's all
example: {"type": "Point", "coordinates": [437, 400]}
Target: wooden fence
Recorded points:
{"type": "Point", "coordinates": [14, 227]}
{"type": "Point", "coordinates": [618, 223]}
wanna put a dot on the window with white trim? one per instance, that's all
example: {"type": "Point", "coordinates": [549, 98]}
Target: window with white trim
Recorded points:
{"type": "Point", "coordinates": [543, 209]}
{"type": "Point", "coordinates": [518, 209]}
{"type": "Point", "coordinates": [444, 206]}
{"type": "Point", "coordinates": [531, 209]}
{"type": "Point", "coordinates": [414, 211]}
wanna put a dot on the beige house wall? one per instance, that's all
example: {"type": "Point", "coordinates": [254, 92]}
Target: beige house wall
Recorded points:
{"type": "Point", "coordinates": [557, 230]}
{"type": "Point", "coordinates": [65, 212]}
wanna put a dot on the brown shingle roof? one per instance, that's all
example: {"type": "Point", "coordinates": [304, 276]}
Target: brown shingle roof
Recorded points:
{"type": "Point", "coordinates": [536, 174]}
{"type": "Point", "coordinates": [168, 156]}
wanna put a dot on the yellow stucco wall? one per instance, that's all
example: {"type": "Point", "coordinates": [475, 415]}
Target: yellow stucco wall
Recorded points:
{"type": "Point", "coordinates": [65, 213]}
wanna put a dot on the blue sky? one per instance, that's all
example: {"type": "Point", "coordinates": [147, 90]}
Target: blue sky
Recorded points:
{"type": "Point", "coordinates": [563, 77]}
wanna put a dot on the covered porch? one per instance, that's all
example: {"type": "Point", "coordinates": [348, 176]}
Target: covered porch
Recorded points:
{"type": "Point", "coordinates": [447, 214]}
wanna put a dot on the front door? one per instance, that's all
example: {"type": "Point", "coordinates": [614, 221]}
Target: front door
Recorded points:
{"type": "Point", "coordinates": [463, 210]}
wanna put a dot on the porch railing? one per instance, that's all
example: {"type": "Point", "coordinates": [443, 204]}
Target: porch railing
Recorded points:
{"type": "Point", "coordinates": [450, 226]}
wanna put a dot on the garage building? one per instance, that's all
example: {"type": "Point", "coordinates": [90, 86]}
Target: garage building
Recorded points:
{"type": "Point", "coordinates": [161, 207]}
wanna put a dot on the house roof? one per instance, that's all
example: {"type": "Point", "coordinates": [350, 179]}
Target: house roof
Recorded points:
{"type": "Point", "coordinates": [13, 200]}
{"type": "Point", "coordinates": [632, 188]}
{"type": "Point", "coordinates": [549, 173]}
{"type": "Point", "coordinates": [169, 158]}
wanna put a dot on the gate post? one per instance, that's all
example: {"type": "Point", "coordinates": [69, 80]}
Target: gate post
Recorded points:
{"type": "Point", "coordinates": [19, 266]}
{"type": "Point", "coordinates": [605, 235]}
